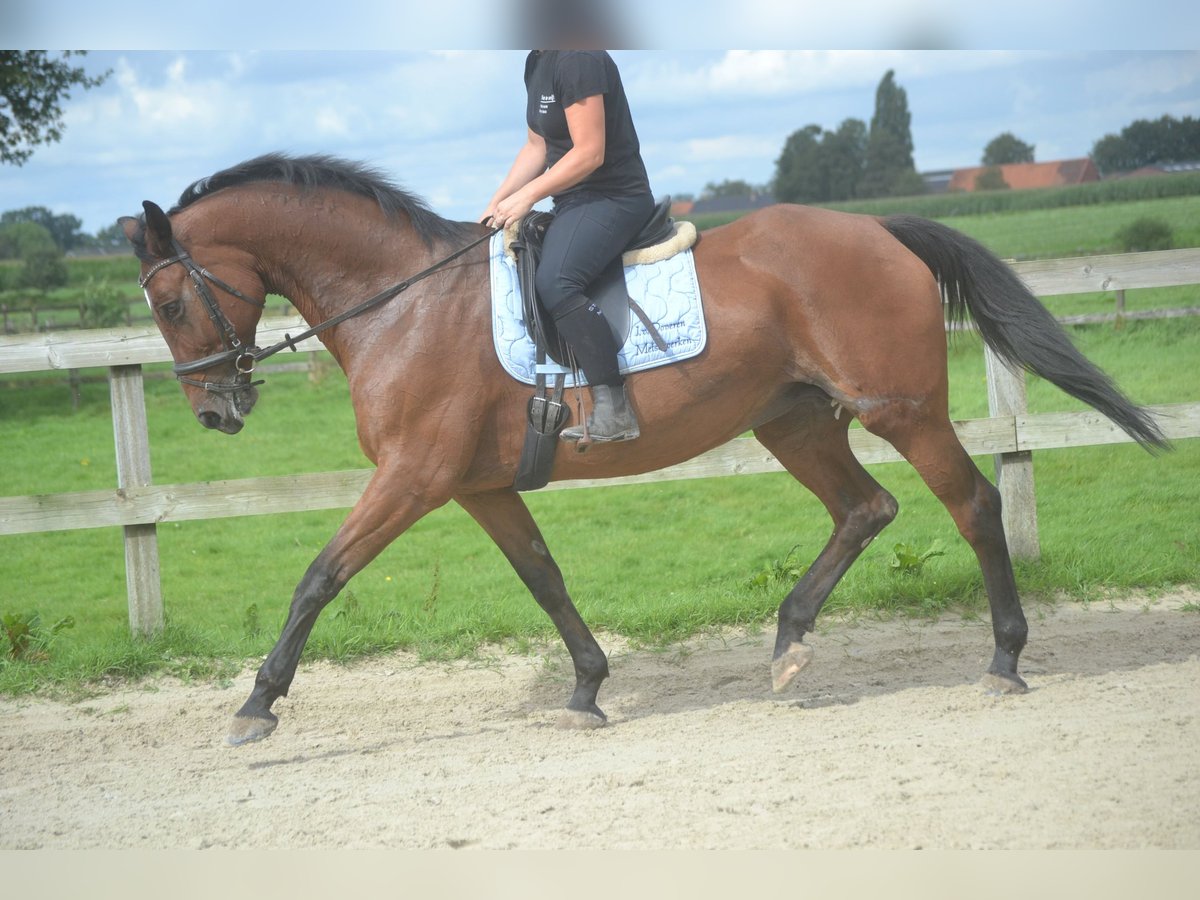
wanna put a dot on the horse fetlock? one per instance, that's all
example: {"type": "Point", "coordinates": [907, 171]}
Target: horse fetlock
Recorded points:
{"type": "Point", "coordinates": [787, 665]}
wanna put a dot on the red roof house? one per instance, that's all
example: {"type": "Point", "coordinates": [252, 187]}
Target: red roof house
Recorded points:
{"type": "Point", "coordinates": [1022, 176]}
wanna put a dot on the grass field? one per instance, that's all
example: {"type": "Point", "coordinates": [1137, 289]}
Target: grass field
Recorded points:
{"type": "Point", "coordinates": [654, 562]}
{"type": "Point", "coordinates": [1058, 231]}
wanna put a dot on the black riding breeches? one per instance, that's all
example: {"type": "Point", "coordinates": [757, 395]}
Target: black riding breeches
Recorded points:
{"type": "Point", "coordinates": [583, 239]}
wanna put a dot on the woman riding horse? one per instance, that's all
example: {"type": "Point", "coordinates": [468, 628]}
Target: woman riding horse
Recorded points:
{"type": "Point", "coordinates": [582, 150]}
{"type": "Point", "coordinates": [799, 343]}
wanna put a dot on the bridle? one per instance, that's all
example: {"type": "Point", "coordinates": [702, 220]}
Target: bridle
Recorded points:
{"type": "Point", "coordinates": [245, 358]}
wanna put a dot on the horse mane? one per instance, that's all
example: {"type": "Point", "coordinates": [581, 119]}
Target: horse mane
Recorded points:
{"type": "Point", "coordinates": [324, 171]}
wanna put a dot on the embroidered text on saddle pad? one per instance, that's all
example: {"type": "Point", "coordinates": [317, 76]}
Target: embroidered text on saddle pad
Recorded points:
{"type": "Point", "coordinates": [667, 291]}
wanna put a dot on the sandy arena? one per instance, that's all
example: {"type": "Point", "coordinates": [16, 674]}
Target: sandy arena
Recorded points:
{"type": "Point", "coordinates": [886, 740]}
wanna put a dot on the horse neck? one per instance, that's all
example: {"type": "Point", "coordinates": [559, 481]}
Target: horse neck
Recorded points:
{"type": "Point", "coordinates": [323, 253]}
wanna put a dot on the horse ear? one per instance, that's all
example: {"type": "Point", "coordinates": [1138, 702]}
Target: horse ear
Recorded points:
{"type": "Point", "coordinates": [158, 230]}
{"type": "Point", "coordinates": [132, 228]}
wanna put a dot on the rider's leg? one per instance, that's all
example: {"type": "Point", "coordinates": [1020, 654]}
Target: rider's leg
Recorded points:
{"type": "Point", "coordinates": [585, 236]}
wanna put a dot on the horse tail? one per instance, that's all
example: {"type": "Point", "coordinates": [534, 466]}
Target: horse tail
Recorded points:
{"type": "Point", "coordinates": [978, 285]}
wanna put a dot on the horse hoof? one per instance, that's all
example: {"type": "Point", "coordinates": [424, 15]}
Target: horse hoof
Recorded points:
{"type": "Point", "coordinates": [788, 665]}
{"type": "Point", "coordinates": [1003, 684]}
{"type": "Point", "coordinates": [247, 729]}
{"type": "Point", "coordinates": [581, 719]}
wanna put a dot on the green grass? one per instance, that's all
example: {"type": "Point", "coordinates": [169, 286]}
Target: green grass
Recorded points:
{"type": "Point", "coordinates": [1077, 231]}
{"type": "Point", "coordinates": [653, 562]}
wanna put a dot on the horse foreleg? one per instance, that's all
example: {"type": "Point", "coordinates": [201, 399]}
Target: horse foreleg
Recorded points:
{"type": "Point", "coordinates": [812, 445]}
{"type": "Point", "coordinates": [506, 519]}
{"type": "Point", "coordinates": [381, 514]}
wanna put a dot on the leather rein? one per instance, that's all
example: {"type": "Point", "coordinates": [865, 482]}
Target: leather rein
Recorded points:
{"type": "Point", "coordinates": [245, 358]}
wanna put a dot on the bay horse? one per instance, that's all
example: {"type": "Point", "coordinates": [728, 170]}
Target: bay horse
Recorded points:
{"type": "Point", "coordinates": [809, 313]}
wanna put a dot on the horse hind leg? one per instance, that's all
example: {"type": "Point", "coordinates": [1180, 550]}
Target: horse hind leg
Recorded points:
{"type": "Point", "coordinates": [506, 519]}
{"type": "Point", "coordinates": [930, 445]}
{"type": "Point", "coordinates": [813, 446]}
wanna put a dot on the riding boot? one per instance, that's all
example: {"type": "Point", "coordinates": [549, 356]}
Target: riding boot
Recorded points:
{"type": "Point", "coordinates": [591, 340]}
{"type": "Point", "coordinates": [612, 417]}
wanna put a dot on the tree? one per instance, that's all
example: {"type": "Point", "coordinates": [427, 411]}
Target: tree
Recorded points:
{"type": "Point", "coordinates": [33, 87]}
{"type": "Point", "coordinates": [729, 188]}
{"type": "Point", "coordinates": [1145, 142]}
{"type": "Point", "coordinates": [42, 262]}
{"type": "Point", "coordinates": [1007, 148]}
{"type": "Point", "coordinates": [799, 171]}
{"type": "Point", "coordinates": [103, 305]}
{"type": "Point", "coordinates": [817, 165]}
{"type": "Point", "coordinates": [19, 239]}
{"type": "Point", "coordinates": [888, 169]}
{"type": "Point", "coordinates": [844, 153]}
{"type": "Point", "coordinates": [43, 270]}
{"type": "Point", "coordinates": [65, 229]}
{"type": "Point", "coordinates": [990, 179]}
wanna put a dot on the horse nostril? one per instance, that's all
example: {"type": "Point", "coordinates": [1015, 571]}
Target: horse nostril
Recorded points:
{"type": "Point", "coordinates": [209, 419]}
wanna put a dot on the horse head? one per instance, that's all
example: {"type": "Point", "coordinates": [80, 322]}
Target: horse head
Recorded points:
{"type": "Point", "coordinates": [210, 337]}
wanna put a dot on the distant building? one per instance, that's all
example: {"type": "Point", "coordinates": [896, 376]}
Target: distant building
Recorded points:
{"type": "Point", "coordinates": [1161, 169]}
{"type": "Point", "coordinates": [937, 182]}
{"type": "Point", "coordinates": [1023, 176]}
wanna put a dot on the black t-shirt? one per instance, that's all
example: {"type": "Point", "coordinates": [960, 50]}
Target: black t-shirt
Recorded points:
{"type": "Point", "coordinates": [556, 79]}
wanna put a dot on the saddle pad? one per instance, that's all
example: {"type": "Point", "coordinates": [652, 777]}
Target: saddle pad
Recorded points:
{"type": "Point", "coordinates": [667, 292]}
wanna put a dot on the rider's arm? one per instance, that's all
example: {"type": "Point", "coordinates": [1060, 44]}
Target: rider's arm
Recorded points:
{"type": "Point", "coordinates": [585, 122]}
{"type": "Point", "coordinates": [529, 164]}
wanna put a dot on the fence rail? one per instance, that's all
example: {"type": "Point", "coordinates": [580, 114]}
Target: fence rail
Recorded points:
{"type": "Point", "coordinates": [1010, 433]}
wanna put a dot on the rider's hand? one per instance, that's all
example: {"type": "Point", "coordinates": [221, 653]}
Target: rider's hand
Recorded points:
{"type": "Point", "coordinates": [510, 209]}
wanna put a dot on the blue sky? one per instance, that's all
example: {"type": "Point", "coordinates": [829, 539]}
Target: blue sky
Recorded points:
{"type": "Point", "coordinates": [446, 124]}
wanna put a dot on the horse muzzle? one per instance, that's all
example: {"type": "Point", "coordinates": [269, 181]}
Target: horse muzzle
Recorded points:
{"type": "Point", "coordinates": [226, 411]}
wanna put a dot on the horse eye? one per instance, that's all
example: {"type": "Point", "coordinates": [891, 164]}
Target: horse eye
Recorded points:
{"type": "Point", "coordinates": [171, 311]}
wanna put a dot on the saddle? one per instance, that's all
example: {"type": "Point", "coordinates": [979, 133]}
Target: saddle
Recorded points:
{"type": "Point", "coordinates": [608, 291]}
{"type": "Point", "coordinates": [547, 414]}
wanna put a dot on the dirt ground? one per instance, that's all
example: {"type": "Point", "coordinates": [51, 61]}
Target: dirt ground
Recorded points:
{"type": "Point", "coordinates": [886, 740]}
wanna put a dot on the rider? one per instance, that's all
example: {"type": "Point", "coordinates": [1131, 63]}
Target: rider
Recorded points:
{"type": "Point", "coordinates": [583, 151]}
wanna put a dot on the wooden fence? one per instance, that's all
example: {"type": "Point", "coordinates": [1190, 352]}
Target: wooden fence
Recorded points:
{"type": "Point", "coordinates": [137, 505]}
{"type": "Point", "coordinates": [63, 317]}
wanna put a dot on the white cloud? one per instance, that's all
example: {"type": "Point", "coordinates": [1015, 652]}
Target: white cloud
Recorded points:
{"type": "Point", "coordinates": [673, 79]}
{"type": "Point", "coordinates": [729, 146]}
{"type": "Point", "coordinates": [1147, 76]}
{"type": "Point", "coordinates": [176, 105]}
{"type": "Point", "coordinates": [329, 121]}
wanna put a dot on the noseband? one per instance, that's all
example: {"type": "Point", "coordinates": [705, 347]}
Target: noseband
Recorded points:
{"type": "Point", "coordinates": [244, 358]}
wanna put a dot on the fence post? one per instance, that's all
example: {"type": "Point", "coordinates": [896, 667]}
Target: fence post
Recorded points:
{"type": "Point", "coordinates": [1014, 471]}
{"type": "Point", "coordinates": [132, 440]}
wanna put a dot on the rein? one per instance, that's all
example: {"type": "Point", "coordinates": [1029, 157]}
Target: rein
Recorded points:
{"type": "Point", "coordinates": [246, 358]}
